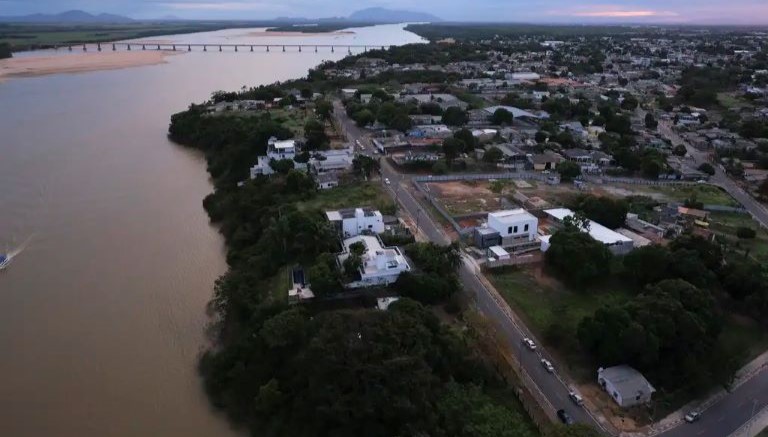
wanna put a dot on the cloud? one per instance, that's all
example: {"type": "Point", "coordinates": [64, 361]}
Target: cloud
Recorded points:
{"type": "Point", "coordinates": [613, 11]}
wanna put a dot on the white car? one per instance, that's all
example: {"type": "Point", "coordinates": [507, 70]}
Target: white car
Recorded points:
{"type": "Point", "coordinates": [529, 343]}
{"type": "Point", "coordinates": [547, 365]}
{"type": "Point", "coordinates": [693, 416]}
{"type": "Point", "coordinates": [386, 181]}
{"type": "Point", "coordinates": [576, 398]}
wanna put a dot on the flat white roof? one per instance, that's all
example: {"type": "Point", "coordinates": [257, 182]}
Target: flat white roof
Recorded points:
{"type": "Point", "coordinates": [333, 215]}
{"type": "Point", "coordinates": [287, 144]}
{"type": "Point", "coordinates": [596, 230]}
{"type": "Point", "coordinates": [512, 215]}
{"type": "Point", "coordinates": [498, 251]}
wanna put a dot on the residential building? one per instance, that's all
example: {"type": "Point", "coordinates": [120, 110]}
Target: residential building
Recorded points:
{"type": "Point", "coordinates": [514, 223]}
{"type": "Point", "coordinates": [618, 244]}
{"type": "Point", "coordinates": [625, 385]}
{"type": "Point", "coordinates": [328, 161]}
{"type": "Point", "coordinates": [276, 151]}
{"type": "Point", "coordinates": [355, 221]}
{"type": "Point", "coordinates": [545, 161]}
{"type": "Point", "coordinates": [380, 265]}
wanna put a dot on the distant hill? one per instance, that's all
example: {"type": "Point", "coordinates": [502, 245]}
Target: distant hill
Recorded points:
{"type": "Point", "coordinates": [382, 15]}
{"type": "Point", "coordinates": [67, 17]}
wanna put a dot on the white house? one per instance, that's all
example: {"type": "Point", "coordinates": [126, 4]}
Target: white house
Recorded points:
{"type": "Point", "coordinates": [276, 150]}
{"type": "Point", "coordinates": [381, 265]}
{"type": "Point", "coordinates": [355, 221]}
{"type": "Point", "coordinates": [515, 223]}
{"type": "Point", "coordinates": [618, 244]}
{"type": "Point", "coordinates": [332, 161]}
{"type": "Point", "coordinates": [625, 385]}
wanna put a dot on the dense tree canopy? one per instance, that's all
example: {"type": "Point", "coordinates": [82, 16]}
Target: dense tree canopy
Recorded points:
{"type": "Point", "coordinates": [604, 210]}
{"type": "Point", "coordinates": [578, 258]}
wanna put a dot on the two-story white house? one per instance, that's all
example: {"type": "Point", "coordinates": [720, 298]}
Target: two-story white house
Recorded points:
{"type": "Point", "coordinates": [380, 265]}
{"type": "Point", "coordinates": [355, 221]}
{"type": "Point", "coordinates": [277, 151]}
{"type": "Point", "coordinates": [514, 224]}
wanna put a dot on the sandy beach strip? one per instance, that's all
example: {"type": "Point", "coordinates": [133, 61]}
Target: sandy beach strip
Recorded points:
{"type": "Point", "coordinates": [78, 63]}
{"type": "Point", "coordinates": [264, 33]}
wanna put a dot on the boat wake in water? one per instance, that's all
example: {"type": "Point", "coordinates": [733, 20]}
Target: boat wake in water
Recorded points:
{"type": "Point", "coordinates": [6, 258]}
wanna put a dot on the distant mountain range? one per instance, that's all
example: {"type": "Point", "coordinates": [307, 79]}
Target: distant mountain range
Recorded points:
{"type": "Point", "coordinates": [68, 17]}
{"type": "Point", "coordinates": [370, 15]}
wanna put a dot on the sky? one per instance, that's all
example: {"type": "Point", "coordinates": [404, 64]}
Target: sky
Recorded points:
{"type": "Point", "coordinates": [547, 11]}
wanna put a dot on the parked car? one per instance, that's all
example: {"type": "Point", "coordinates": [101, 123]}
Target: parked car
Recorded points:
{"type": "Point", "coordinates": [547, 365]}
{"type": "Point", "coordinates": [386, 181]}
{"type": "Point", "coordinates": [564, 417]}
{"type": "Point", "coordinates": [529, 344]}
{"type": "Point", "coordinates": [693, 416]}
{"type": "Point", "coordinates": [576, 398]}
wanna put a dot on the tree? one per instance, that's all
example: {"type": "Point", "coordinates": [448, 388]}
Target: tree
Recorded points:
{"type": "Point", "coordinates": [746, 233]}
{"type": "Point", "coordinates": [363, 117]}
{"type": "Point", "coordinates": [502, 117]}
{"type": "Point", "coordinates": [352, 265]}
{"type": "Point", "coordinates": [568, 170]}
{"type": "Point", "coordinates": [707, 168]}
{"type": "Point", "coordinates": [451, 148]}
{"type": "Point", "coordinates": [401, 122]}
{"type": "Point", "coordinates": [323, 276]}
{"type": "Point", "coordinates": [604, 210]}
{"type": "Point", "coordinates": [314, 132]}
{"type": "Point", "coordinates": [577, 257]}
{"type": "Point", "coordinates": [541, 137]}
{"type": "Point", "coordinates": [5, 51]}
{"type": "Point", "coordinates": [282, 166]}
{"type": "Point", "coordinates": [648, 264]}
{"type": "Point", "coordinates": [455, 116]}
{"type": "Point", "coordinates": [679, 150]}
{"type": "Point", "coordinates": [493, 154]}
{"type": "Point", "coordinates": [650, 121]}
{"type": "Point", "coordinates": [469, 139]}
{"type": "Point", "coordinates": [323, 109]}
{"type": "Point", "coordinates": [425, 287]}
{"type": "Point", "coordinates": [629, 103]}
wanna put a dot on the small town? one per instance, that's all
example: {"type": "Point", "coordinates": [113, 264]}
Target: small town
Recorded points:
{"type": "Point", "coordinates": [580, 183]}
{"type": "Point", "coordinates": [487, 229]}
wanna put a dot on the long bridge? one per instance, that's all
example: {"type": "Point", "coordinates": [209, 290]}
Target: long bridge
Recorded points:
{"type": "Point", "coordinates": [130, 46]}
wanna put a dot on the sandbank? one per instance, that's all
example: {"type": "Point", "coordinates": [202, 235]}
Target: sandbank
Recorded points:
{"type": "Point", "coordinates": [78, 63]}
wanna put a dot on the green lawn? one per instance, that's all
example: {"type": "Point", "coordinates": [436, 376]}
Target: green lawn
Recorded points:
{"type": "Point", "coordinates": [542, 303]}
{"type": "Point", "coordinates": [706, 194]}
{"type": "Point", "coordinates": [351, 195]}
{"type": "Point", "coordinates": [726, 224]}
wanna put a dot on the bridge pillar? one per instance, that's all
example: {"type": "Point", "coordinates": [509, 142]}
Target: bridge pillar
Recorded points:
{"type": "Point", "coordinates": [85, 48]}
{"type": "Point", "coordinates": [205, 48]}
{"type": "Point", "coordinates": [235, 48]}
{"type": "Point", "coordinates": [267, 49]}
{"type": "Point", "coordinates": [365, 49]}
{"type": "Point", "coordinates": [143, 47]}
{"type": "Point", "coordinates": [315, 49]}
{"type": "Point", "coordinates": [114, 47]}
{"type": "Point", "coordinates": [349, 50]}
{"type": "Point", "coordinates": [129, 47]}
{"type": "Point", "coordinates": [283, 48]}
{"type": "Point", "coordinates": [69, 48]}
{"type": "Point", "coordinates": [331, 49]}
{"type": "Point", "coordinates": [174, 47]}
{"type": "Point", "coordinates": [158, 46]}
{"type": "Point", "coordinates": [251, 48]}
{"type": "Point", "coordinates": [189, 48]}
{"type": "Point", "coordinates": [382, 47]}
{"type": "Point", "coordinates": [219, 48]}
{"type": "Point", "coordinates": [299, 49]}
{"type": "Point", "coordinates": [98, 46]}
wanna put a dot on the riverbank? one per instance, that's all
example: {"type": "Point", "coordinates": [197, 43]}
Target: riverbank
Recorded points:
{"type": "Point", "coordinates": [78, 63]}
{"type": "Point", "coordinates": [283, 33]}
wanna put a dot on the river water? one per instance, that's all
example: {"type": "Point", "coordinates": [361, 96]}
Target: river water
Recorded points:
{"type": "Point", "coordinates": [102, 314]}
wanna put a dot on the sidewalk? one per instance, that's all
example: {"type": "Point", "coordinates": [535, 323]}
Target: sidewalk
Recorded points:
{"type": "Point", "coordinates": [744, 374]}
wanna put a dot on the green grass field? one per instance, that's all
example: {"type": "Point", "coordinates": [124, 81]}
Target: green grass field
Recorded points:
{"type": "Point", "coordinates": [706, 194]}
{"type": "Point", "coordinates": [726, 224]}
{"type": "Point", "coordinates": [351, 195]}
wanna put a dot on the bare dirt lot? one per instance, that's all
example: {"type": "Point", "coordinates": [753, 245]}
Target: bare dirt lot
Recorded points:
{"type": "Point", "coordinates": [461, 198]}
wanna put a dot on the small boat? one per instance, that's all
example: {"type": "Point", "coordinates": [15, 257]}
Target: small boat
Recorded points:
{"type": "Point", "coordinates": [4, 261]}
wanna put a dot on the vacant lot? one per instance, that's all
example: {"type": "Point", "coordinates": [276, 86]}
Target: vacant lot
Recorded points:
{"type": "Point", "coordinates": [464, 197]}
{"type": "Point", "coordinates": [726, 224]}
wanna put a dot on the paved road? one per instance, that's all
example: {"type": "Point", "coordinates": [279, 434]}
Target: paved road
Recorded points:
{"type": "Point", "coordinates": [551, 388]}
{"type": "Point", "coordinates": [730, 413]}
{"type": "Point", "coordinates": [758, 210]}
